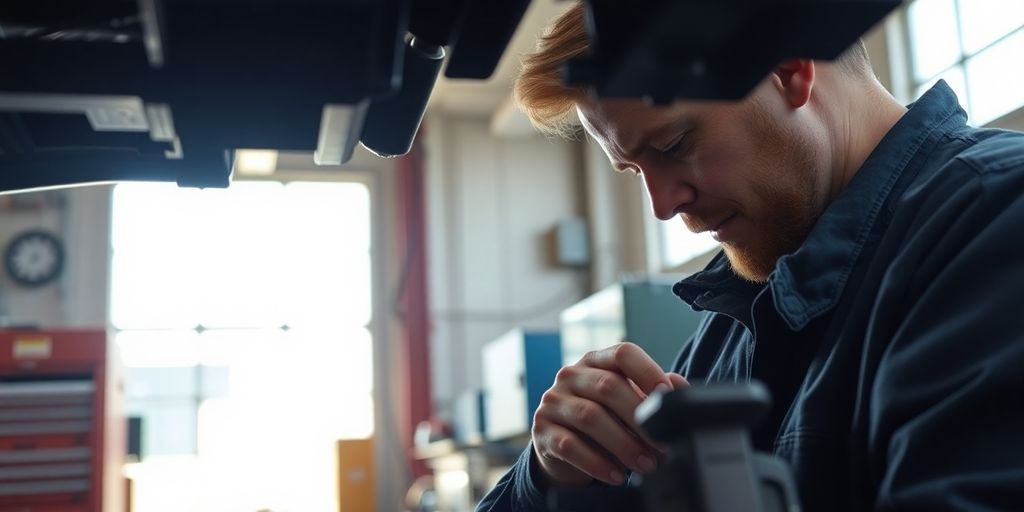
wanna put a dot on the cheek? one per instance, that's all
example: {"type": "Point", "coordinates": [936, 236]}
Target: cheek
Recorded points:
{"type": "Point", "coordinates": [726, 169]}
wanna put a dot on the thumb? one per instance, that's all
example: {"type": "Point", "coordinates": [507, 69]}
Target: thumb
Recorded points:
{"type": "Point", "coordinates": [677, 380]}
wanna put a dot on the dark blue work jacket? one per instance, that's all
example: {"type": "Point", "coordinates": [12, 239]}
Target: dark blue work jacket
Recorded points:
{"type": "Point", "coordinates": [892, 340]}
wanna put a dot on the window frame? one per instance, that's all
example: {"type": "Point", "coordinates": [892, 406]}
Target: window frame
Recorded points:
{"type": "Point", "coordinates": [903, 64]}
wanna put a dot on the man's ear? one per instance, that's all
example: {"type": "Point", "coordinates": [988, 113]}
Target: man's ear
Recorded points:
{"type": "Point", "coordinates": [795, 78]}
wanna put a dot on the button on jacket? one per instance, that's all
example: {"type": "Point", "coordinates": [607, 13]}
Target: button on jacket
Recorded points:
{"type": "Point", "coordinates": [892, 340]}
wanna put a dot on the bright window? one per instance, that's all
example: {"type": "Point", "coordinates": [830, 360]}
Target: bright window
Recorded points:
{"type": "Point", "coordinates": [975, 45]}
{"type": "Point", "coordinates": [242, 316]}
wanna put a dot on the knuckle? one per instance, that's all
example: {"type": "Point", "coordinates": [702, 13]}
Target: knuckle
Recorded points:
{"type": "Point", "coordinates": [623, 351]}
{"type": "Point", "coordinates": [589, 357]}
{"type": "Point", "coordinates": [543, 447]}
{"type": "Point", "coordinates": [586, 413]}
{"type": "Point", "coordinates": [562, 446]}
{"type": "Point", "coordinates": [550, 446]}
{"type": "Point", "coordinates": [537, 430]}
{"type": "Point", "coordinates": [543, 415]}
{"type": "Point", "coordinates": [549, 403]}
{"type": "Point", "coordinates": [548, 399]}
{"type": "Point", "coordinates": [605, 385]}
{"type": "Point", "coordinates": [565, 373]}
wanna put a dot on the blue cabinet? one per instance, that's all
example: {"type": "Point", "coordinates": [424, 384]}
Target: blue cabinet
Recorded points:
{"type": "Point", "coordinates": [518, 367]}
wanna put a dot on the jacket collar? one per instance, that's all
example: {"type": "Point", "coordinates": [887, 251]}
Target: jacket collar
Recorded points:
{"type": "Point", "coordinates": [810, 281]}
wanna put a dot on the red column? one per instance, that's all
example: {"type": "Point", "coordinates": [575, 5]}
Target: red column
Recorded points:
{"type": "Point", "coordinates": [412, 296]}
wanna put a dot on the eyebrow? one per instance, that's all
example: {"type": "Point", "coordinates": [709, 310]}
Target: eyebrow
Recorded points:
{"type": "Point", "coordinates": [686, 122]}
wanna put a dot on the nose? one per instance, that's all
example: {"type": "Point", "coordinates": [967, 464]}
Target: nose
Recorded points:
{"type": "Point", "coordinates": [668, 191]}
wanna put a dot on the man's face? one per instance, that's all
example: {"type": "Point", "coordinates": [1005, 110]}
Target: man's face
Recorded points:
{"type": "Point", "coordinates": [744, 171]}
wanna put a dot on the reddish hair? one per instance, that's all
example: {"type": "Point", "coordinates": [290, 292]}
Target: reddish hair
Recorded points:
{"type": "Point", "coordinates": [550, 104]}
{"type": "Point", "coordinates": [539, 90]}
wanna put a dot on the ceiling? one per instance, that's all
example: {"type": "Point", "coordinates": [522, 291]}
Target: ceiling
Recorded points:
{"type": "Point", "coordinates": [478, 98]}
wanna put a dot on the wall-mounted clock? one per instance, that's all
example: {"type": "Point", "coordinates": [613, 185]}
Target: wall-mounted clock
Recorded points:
{"type": "Point", "coordinates": [34, 258]}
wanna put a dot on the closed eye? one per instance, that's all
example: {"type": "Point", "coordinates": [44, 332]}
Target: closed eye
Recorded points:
{"type": "Point", "coordinates": [678, 148]}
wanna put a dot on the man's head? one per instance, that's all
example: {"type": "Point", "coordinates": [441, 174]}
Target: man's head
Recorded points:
{"type": "Point", "coordinates": [757, 172]}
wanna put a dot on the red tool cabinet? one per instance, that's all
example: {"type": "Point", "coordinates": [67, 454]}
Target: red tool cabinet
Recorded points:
{"type": "Point", "coordinates": [62, 431]}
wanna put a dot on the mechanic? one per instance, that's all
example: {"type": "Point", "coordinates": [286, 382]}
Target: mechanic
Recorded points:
{"type": "Point", "coordinates": [871, 275]}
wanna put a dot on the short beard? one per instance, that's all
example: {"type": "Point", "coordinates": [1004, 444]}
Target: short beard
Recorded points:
{"type": "Point", "coordinates": [789, 185]}
{"type": "Point", "coordinates": [750, 267]}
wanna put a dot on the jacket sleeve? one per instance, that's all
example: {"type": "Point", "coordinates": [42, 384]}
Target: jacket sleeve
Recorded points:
{"type": "Point", "coordinates": [947, 420]}
{"type": "Point", "coordinates": [520, 490]}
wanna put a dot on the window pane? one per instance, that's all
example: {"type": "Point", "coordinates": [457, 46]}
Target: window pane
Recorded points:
{"type": "Point", "coordinates": [329, 289]}
{"type": "Point", "coordinates": [158, 348]}
{"type": "Point", "coordinates": [680, 245]}
{"type": "Point", "coordinates": [179, 382]}
{"type": "Point", "coordinates": [954, 77]}
{"type": "Point", "coordinates": [233, 284]}
{"type": "Point", "coordinates": [292, 396]}
{"type": "Point", "coordinates": [235, 347]}
{"type": "Point", "coordinates": [168, 426]}
{"type": "Point", "coordinates": [328, 269]}
{"type": "Point", "coordinates": [163, 212]}
{"type": "Point", "coordinates": [159, 383]}
{"type": "Point", "coordinates": [321, 365]}
{"type": "Point", "coordinates": [187, 256]}
{"type": "Point", "coordinates": [148, 203]}
{"type": "Point", "coordinates": [331, 364]}
{"type": "Point", "coordinates": [933, 36]}
{"type": "Point", "coordinates": [984, 21]}
{"type": "Point", "coordinates": [995, 78]}
{"type": "Point", "coordinates": [335, 215]}
{"type": "Point", "coordinates": [146, 293]}
{"type": "Point", "coordinates": [256, 254]}
{"type": "Point", "coordinates": [167, 483]}
{"type": "Point", "coordinates": [243, 262]}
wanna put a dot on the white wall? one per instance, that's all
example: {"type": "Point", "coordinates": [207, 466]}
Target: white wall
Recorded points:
{"type": "Point", "coordinates": [80, 216]}
{"type": "Point", "coordinates": [620, 220]}
{"type": "Point", "coordinates": [491, 204]}
{"type": "Point", "coordinates": [86, 281]}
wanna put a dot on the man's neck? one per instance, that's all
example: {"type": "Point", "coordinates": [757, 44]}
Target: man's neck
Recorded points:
{"type": "Point", "coordinates": [861, 124]}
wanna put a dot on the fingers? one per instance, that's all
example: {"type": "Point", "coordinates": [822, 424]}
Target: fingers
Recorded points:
{"type": "Point", "coordinates": [678, 381]}
{"type": "Point", "coordinates": [614, 392]}
{"type": "Point", "coordinates": [596, 425]}
{"type": "Point", "coordinates": [557, 445]}
{"type": "Point", "coordinates": [585, 427]}
{"type": "Point", "coordinates": [630, 361]}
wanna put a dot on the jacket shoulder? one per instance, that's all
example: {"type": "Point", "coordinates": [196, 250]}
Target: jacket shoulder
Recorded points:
{"type": "Point", "coordinates": [994, 151]}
